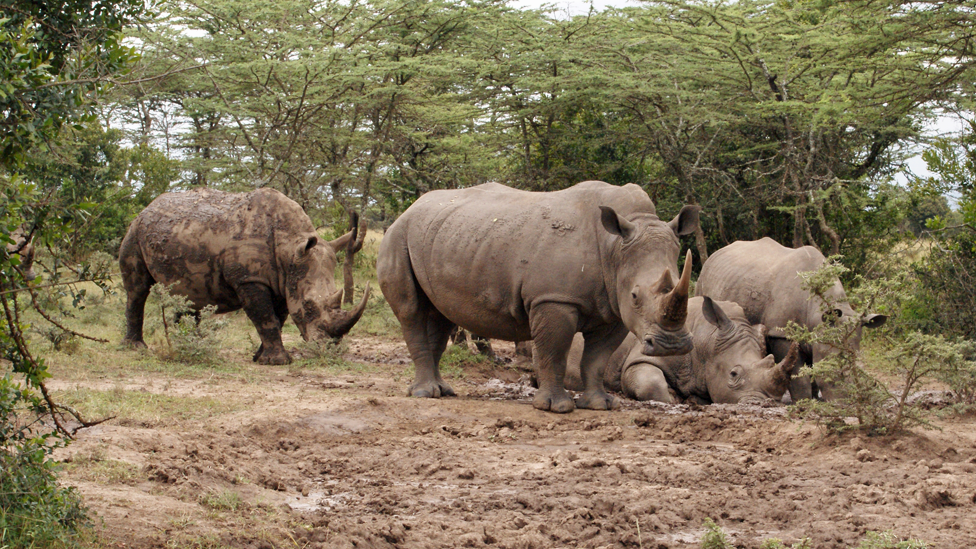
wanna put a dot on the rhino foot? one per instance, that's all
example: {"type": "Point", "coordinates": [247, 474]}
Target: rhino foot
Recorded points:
{"type": "Point", "coordinates": [560, 403]}
{"type": "Point", "coordinates": [431, 389]}
{"type": "Point", "coordinates": [276, 359]}
{"type": "Point", "coordinates": [134, 344]}
{"type": "Point", "coordinates": [598, 401]}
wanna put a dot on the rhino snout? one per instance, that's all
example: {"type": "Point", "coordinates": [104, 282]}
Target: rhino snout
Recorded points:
{"type": "Point", "coordinates": [667, 343]}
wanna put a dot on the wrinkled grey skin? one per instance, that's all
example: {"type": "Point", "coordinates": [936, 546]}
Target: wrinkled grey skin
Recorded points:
{"type": "Point", "coordinates": [761, 276]}
{"type": "Point", "coordinates": [727, 365]}
{"type": "Point", "coordinates": [23, 245]}
{"type": "Point", "coordinates": [257, 251]}
{"type": "Point", "coordinates": [517, 265]}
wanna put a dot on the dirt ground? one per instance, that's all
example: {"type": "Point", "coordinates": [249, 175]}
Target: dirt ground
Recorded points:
{"type": "Point", "coordinates": [314, 459]}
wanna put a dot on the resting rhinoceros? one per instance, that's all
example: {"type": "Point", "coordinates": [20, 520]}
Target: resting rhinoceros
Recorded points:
{"type": "Point", "coordinates": [728, 364]}
{"type": "Point", "coordinates": [257, 251]}
{"type": "Point", "coordinates": [23, 246]}
{"type": "Point", "coordinates": [518, 265]}
{"type": "Point", "coordinates": [761, 276]}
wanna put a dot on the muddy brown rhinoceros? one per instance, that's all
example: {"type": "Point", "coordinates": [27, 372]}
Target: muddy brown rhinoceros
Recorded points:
{"type": "Point", "coordinates": [728, 364]}
{"type": "Point", "coordinates": [761, 276]}
{"type": "Point", "coordinates": [518, 265]}
{"type": "Point", "coordinates": [258, 251]}
{"type": "Point", "coordinates": [23, 246]}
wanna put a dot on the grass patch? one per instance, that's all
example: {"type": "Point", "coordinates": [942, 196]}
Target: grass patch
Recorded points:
{"type": "Point", "coordinates": [144, 408]}
{"type": "Point", "coordinates": [95, 467]}
{"type": "Point", "coordinates": [222, 500]}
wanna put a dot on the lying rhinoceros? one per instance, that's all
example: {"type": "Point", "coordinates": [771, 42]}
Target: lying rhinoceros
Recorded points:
{"type": "Point", "coordinates": [23, 246]}
{"type": "Point", "coordinates": [257, 251]}
{"type": "Point", "coordinates": [517, 265]}
{"type": "Point", "coordinates": [761, 276]}
{"type": "Point", "coordinates": [728, 364]}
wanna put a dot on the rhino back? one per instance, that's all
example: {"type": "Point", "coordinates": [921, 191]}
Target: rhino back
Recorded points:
{"type": "Point", "coordinates": [485, 255]}
{"type": "Point", "coordinates": [761, 276]}
{"type": "Point", "coordinates": [207, 242]}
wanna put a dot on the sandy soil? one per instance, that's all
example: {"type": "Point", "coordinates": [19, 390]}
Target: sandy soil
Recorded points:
{"type": "Point", "coordinates": [315, 460]}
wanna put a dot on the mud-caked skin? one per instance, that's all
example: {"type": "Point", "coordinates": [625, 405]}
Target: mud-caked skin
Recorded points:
{"type": "Point", "coordinates": [728, 364]}
{"type": "Point", "coordinates": [23, 246]}
{"type": "Point", "coordinates": [258, 251]}
{"type": "Point", "coordinates": [761, 276]}
{"type": "Point", "coordinates": [517, 265]}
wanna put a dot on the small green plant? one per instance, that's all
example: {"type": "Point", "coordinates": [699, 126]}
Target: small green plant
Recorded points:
{"type": "Point", "coordinates": [323, 352]}
{"type": "Point", "coordinates": [223, 500]}
{"type": "Point", "coordinates": [715, 537]}
{"type": "Point", "coordinates": [774, 543]}
{"type": "Point", "coordinates": [457, 357]}
{"type": "Point", "coordinates": [190, 336]}
{"type": "Point", "coordinates": [887, 540]}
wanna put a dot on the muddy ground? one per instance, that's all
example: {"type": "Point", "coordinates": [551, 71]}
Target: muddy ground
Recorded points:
{"type": "Point", "coordinates": [314, 458]}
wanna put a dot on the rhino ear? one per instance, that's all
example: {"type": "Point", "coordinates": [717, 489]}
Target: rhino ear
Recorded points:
{"type": "Point", "coordinates": [614, 224]}
{"type": "Point", "coordinates": [714, 314]}
{"type": "Point", "coordinates": [874, 320]}
{"type": "Point", "coordinates": [686, 222]}
{"type": "Point", "coordinates": [832, 316]}
{"type": "Point", "coordinates": [310, 243]}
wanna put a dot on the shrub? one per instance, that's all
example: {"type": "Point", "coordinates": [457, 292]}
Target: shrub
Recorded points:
{"type": "Point", "coordinates": [910, 356]}
{"type": "Point", "coordinates": [190, 336]}
{"type": "Point", "coordinates": [34, 510]}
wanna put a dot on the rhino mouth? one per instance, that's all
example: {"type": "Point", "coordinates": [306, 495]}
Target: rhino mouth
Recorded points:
{"type": "Point", "coordinates": [661, 342]}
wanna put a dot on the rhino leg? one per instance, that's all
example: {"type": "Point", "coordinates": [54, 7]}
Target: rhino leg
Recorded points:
{"type": "Point", "coordinates": [258, 303]}
{"type": "Point", "coordinates": [137, 282]}
{"type": "Point", "coordinates": [597, 349]}
{"type": "Point", "coordinates": [426, 334]}
{"type": "Point", "coordinates": [553, 327]}
{"type": "Point", "coordinates": [643, 381]}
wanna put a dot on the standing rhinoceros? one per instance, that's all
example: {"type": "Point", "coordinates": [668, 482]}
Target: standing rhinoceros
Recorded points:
{"type": "Point", "coordinates": [761, 276]}
{"type": "Point", "coordinates": [257, 251]}
{"type": "Point", "coordinates": [517, 265]}
{"type": "Point", "coordinates": [728, 364]}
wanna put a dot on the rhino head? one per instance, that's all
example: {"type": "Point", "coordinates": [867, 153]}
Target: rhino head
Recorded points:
{"type": "Point", "coordinates": [644, 256]}
{"type": "Point", "coordinates": [735, 369]}
{"type": "Point", "coordinates": [843, 313]}
{"type": "Point", "coordinates": [310, 291]}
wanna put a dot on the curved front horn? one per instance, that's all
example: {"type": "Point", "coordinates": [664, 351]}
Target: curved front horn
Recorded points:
{"type": "Point", "coordinates": [348, 319]}
{"type": "Point", "coordinates": [676, 302]}
{"type": "Point", "coordinates": [789, 361]}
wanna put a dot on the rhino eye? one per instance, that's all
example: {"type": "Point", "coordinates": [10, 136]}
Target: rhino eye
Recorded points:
{"type": "Point", "coordinates": [735, 377]}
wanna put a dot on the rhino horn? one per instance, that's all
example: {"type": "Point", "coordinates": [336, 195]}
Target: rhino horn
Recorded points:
{"type": "Point", "coordinates": [789, 361]}
{"type": "Point", "coordinates": [335, 300]}
{"type": "Point", "coordinates": [348, 319]}
{"type": "Point", "coordinates": [676, 302]}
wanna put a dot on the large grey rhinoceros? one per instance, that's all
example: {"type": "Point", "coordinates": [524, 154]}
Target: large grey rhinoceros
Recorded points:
{"type": "Point", "coordinates": [258, 251]}
{"type": "Point", "coordinates": [728, 364]}
{"type": "Point", "coordinates": [761, 276]}
{"type": "Point", "coordinates": [518, 265]}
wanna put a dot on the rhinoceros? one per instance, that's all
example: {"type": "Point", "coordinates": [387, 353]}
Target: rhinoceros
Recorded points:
{"type": "Point", "coordinates": [23, 246]}
{"type": "Point", "coordinates": [761, 276]}
{"type": "Point", "coordinates": [727, 365]}
{"type": "Point", "coordinates": [518, 265]}
{"type": "Point", "coordinates": [258, 251]}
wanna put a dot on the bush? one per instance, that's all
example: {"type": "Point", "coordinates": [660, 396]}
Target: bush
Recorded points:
{"type": "Point", "coordinates": [910, 356]}
{"type": "Point", "coordinates": [190, 336]}
{"type": "Point", "coordinates": [34, 510]}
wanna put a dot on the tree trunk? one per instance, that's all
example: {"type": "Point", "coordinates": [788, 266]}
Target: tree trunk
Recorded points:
{"type": "Point", "coordinates": [355, 244]}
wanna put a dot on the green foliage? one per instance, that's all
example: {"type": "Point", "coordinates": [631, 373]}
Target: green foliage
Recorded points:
{"type": "Point", "coordinates": [805, 543]}
{"type": "Point", "coordinates": [191, 337]}
{"type": "Point", "coordinates": [715, 537]}
{"type": "Point", "coordinates": [887, 540]}
{"type": "Point", "coordinates": [912, 357]}
{"type": "Point", "coordinates": [35, 511]}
